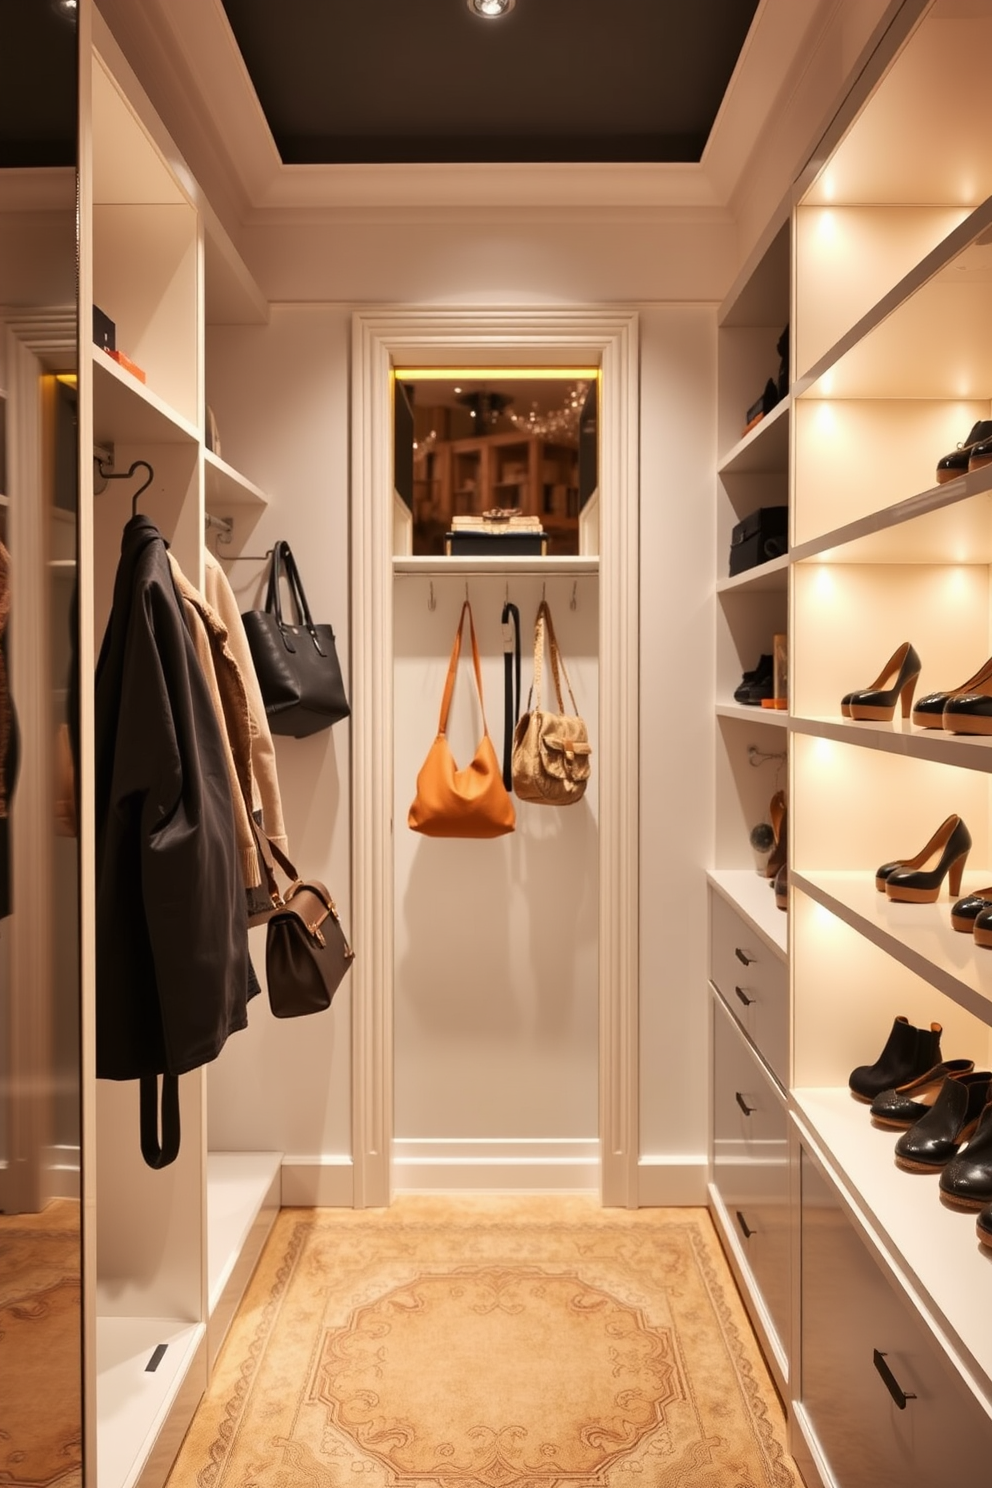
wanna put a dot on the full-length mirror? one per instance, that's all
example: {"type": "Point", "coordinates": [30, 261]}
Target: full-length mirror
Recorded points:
{"type": "Point", "coordinates": [40, 1300]}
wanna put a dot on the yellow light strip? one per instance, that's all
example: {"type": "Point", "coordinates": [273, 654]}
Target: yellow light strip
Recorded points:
{"type": "Point", "coordinates": [485, 374]}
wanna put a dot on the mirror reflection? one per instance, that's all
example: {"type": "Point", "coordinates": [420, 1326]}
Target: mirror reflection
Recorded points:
{"type": "Point", "coordinates": [506, 455]}
{"type": "Point", "coordinates": [40, 1304]}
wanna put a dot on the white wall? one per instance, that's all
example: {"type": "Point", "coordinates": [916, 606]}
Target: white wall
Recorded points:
{"type": "Point", "coordinates": [496, 956]}
{"type": "Point", "coordinates": [280, 393]}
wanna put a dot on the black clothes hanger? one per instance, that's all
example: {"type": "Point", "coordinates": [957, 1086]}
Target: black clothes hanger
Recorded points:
{"type": "Point", "coordinates": [127, 475]}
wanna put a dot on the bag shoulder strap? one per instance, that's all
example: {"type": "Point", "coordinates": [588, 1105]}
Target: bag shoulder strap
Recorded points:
{"type": "Point", "coordinates": [159, 1152]}
{"type": "Point", "coordinates": [511, 697]}
{"type": "Point", "coordinates": [557, 662]}
{"type": "Point", "coordinates": [282, 553]}
{"type": "Point", "coordinates": [449, 685]}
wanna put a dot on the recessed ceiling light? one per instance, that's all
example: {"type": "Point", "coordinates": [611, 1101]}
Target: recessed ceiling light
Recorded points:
{"type": "Point", "coordinates": [490, 9]}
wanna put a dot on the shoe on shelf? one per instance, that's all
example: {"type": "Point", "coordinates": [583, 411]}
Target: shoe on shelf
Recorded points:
{"type": "Point", "coordinates": [980, 454]}
{"type": "Point", "coordinates": [908, 1053]}
{"type": "Point", "coordinates": [983, 1227]}
{"type": "Point", "coordinates": [969, 712]}
{"type": "Point", "coordinates": [757, 684]}
{"type": "Point", "coordinates": [958, 462]}
{"type": "Point", "coordinates": [781, 887]}
{"type": "Point", "coordinates": [900, 1107]}
{"type": "Point", "coordinates": [932, 1141]}
{"type": "Point", "coordinates": [966, 1182]}
{"type": "Point", "coordinates": [878, 701]}
{"type": "Point", "coordinates": [982, 929]}
{"type": "Point", "coordinates": [912, 881]}
{"type": "Point", "coordinates": [778, 815]}
{"type": "Point", "coordinates": [929, 709]}
{"type": "Point", "coordinates": [966, 911]}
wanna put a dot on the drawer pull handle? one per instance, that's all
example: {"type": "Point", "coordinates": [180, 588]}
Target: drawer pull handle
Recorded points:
{"type": "Point", "coordinates": [747, 1001]}
{"type": "Point", "coordinates": [742, 956]}
{"type": "Point", "coordinates": [743, 1103]}
{"type": "Point", "coordinates": [747, 1231]}
{"type": "Point", "coordinates": [899, 1395]}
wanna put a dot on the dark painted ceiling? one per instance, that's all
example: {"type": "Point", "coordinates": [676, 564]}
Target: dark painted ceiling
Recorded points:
{"type": "Point", "coordinates": [375, 81]}
{"type": "Point", "coordinates": [37, 83]}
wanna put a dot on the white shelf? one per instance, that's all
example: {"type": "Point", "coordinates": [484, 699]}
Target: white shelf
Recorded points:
{"type": "Point", "coordinates": [935, 1245]}
{"type": "Point", "coordinates": [966, 751]}
{"type": "Point", "coordinates": [771, 576]}
{"type": "Point", "coordinates": [919, 936]}
{"type": "Point", "coordinates": [133, 1403]}
{"type": "Point", "coordinates": [227, 487]}
{"type": "Point", "coordinates": [754, 899]}
{"type": "Point", "coordinates": [240, 1186]}
{"type": "Point", "coordinates": [749, 714]}
{"type": "Point", "coordinates": [765, 450]}
{"type": "Point", "coordinates": [944, 524]}
{"type": "Point", "coordinates": [431, 567]}
{"type": "Point", "coordinates": [925, 338]}
{"type": "Point", "coordinates": [127, 411]}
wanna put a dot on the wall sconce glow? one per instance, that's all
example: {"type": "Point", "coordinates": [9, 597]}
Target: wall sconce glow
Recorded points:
{"type": "Point", "coordinates": [828, 187]}
{"type": "Point", "coordinates": [826, 227]}
{"type": "Point", "coordinates": [824, 582]}
{"type": "Point", "coordinates": [825, 386]}
{"type": "Point", "coordinates": [826, 419]}
{"type": "Point", "coordinates": [490, 9]}
{"type": "Point", "coordinates": [824, 751]}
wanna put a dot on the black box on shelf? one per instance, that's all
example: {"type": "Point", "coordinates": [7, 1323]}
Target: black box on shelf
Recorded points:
{"type": "Point", "coordinates": [761, 536]}
{"type": "Point", "coordinates": [104, 330]}
{"type": "Point", "coordinates": [477, 544]}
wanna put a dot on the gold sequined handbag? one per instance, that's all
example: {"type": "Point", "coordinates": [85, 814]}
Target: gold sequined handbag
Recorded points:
{"type": "Point", "coordinates": [551, 751]}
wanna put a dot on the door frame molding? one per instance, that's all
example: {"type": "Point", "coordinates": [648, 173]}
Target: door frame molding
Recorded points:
{"type": "Point", "coordinates": [429, 336]}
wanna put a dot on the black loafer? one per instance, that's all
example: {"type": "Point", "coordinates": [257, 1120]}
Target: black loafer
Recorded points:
{"type": "Point", "coordinates": [949, 467]}
{"type": "Point", "coordinates": [932, 1141]}
{"type": "Point", "coordinates": [899, 1108]}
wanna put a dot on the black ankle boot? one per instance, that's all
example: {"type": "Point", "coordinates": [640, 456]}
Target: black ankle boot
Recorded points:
{"type": "Point", "coordinates": [966, 1182]}
{"type": "Point", "coordinates": [908, 1052]}
{"type": "Point", "coordinates": [983, 1225]}
{"type": "Point", "coordinates": [932, 1141]}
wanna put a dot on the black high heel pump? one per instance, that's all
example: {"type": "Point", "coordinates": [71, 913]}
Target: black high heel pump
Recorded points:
{"type": "Point", "coordinates": [878, 702]}
{"type": "Point", "coordinates": [912, 882]}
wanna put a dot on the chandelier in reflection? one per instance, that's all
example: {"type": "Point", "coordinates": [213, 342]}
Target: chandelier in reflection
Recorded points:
{"type": "Point", "coordinates": [554, 423]}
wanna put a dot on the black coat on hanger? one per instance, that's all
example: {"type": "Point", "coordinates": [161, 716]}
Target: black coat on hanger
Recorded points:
{"type": "Point", "coordinates": [171, 923]}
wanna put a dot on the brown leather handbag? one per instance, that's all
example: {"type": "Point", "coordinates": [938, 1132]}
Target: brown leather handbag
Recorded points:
{"type": "Point", "coordinates": [461, 803]}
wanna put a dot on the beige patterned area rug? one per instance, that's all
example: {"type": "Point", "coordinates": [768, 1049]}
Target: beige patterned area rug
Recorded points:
{"type": "Point", "coordinates": [489, 1343]}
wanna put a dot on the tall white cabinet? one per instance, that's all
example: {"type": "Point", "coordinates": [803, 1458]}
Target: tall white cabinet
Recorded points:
{"type": "Point", "coordinates": [167, 1253]}
{"type": "Point", "coordinates": [880, 1339]}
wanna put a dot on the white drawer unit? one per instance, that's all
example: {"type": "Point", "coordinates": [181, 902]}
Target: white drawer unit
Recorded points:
{"type": "Point", "coordinates": [880, 1401]}
{"type": "Point", "coordinates": [750, 1181]}
{"type": "Point", "coordinates": [753, 980]}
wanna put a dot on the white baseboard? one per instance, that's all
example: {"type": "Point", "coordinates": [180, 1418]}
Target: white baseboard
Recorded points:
{"type": "Point", "coordinates": [425, 1165]}
{"type": "Point", "coordinates": [498, 1165]}
{"type": "Point", "coordinates": [318, 1183]}
{"type": "Point", "coordinates": [671, 1182]}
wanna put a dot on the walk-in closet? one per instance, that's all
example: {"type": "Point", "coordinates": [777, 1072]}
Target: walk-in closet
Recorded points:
{"type": "Point", "coordinates": [694, 401]}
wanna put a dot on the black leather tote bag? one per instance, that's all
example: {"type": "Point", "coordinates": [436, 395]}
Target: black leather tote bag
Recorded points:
{"type": "Point", "coordinates": [297, 665]}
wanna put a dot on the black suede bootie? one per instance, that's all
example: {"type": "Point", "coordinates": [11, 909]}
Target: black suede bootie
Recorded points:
{"type": "Point", "coordinates": [908, 1053]}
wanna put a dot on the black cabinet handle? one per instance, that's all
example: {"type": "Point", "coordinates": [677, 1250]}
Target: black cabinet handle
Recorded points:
{"type": "Point", "coordinates": [743, 1103]}
{"type": "Point", "coordinates": [747, 1001]}
{"type": "Point", "coordinates": [742, 956]}
{"type": "Point", "coordinates": [891, 1383]}
{"type": "Point", "coordinates": [744, 1225]}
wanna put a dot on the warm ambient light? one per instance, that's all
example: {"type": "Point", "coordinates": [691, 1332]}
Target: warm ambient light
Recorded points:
{"type": "Point", "coordinates": [490, 9]}
{"type": "Point", "coordinates": [491, 374]}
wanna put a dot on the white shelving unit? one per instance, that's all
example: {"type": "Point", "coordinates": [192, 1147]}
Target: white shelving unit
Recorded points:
{"type": "Point", "coordinates": [173, 1249]}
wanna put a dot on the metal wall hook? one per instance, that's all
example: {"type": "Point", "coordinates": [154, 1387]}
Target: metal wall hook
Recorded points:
{"type": "Point", "coordinates": [756, 756]}
{"type": "Point", "coordinates": [127, 475]}
{"type": "Point", "coordinates": [223, 526]}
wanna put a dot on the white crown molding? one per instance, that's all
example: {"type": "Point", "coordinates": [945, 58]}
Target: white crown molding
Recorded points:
{"type": "Point", "coordinates": [187, 55]}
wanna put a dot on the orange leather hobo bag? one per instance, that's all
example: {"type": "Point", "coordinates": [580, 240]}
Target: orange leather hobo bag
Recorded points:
{"type": "Point", "coordinates": [461, 803]}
